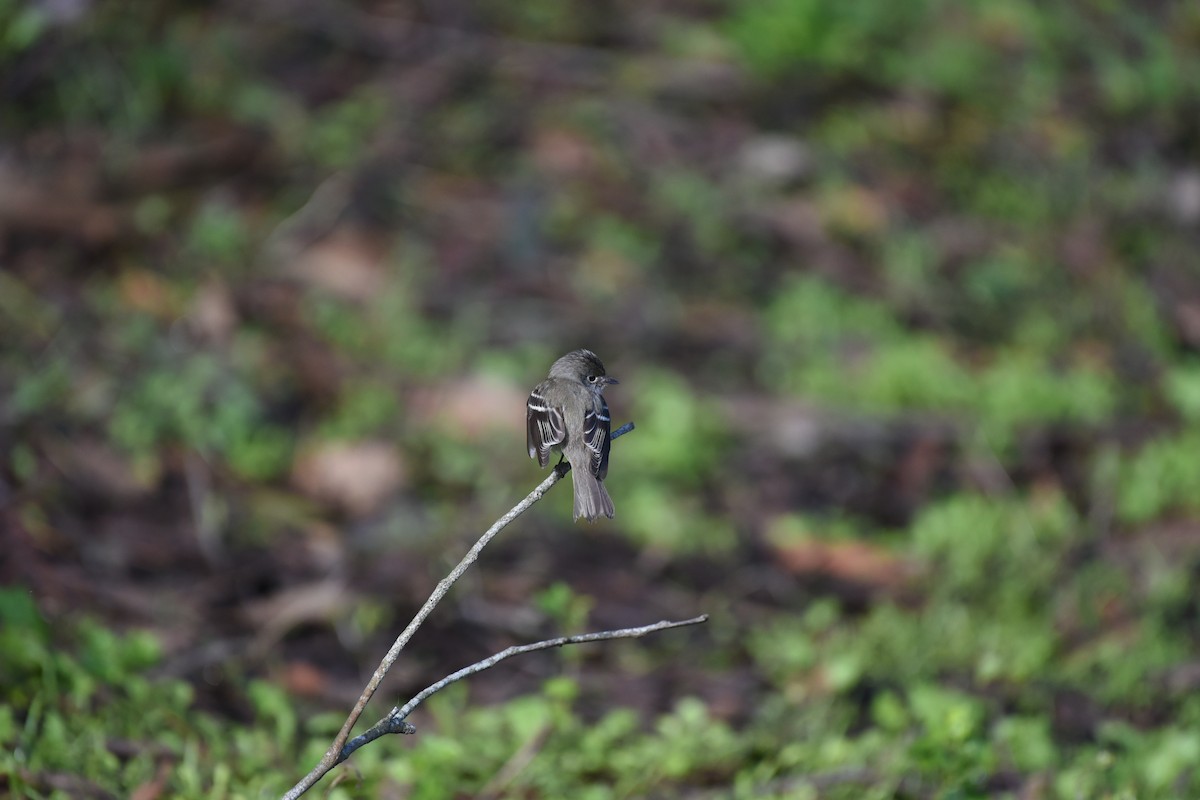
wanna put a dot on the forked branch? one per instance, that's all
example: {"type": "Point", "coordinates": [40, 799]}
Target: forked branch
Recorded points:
{"type": "Point", "coordinates": [396, 722]}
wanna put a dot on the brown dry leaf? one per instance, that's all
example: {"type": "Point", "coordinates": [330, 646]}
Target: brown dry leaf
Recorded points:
{"type": "Point", "coordinates": [357, 477]}
{"type": "Point", "coordinates": [97, 468]}
{"type": "Point", "coordinates": [853, 561]}
{"type": "Point", "coordinates": [65, 208]}
{"type": "Point", "coordinates": [142, 290]}
{"type": "Point", "coordinates": [347, 263]}
{"type": "Point", "coordinates": [468, 406]}
{"type": "Point", "coordinates": [850, 560]}
{"type": "Point", "coordinates": [304, 679]}
{"type": "Point", "coordinates": [212, 316]}
{"type": "Point", "coordinates": [563, 152]}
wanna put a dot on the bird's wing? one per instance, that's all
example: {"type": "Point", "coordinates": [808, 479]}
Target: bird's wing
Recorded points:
{"type": "Point", "coordinates": [544, 427]}
{"type": "Point", "coordinates": [596, 426]}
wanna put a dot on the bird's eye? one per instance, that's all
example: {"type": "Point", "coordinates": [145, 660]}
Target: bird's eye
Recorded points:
{"type": "Point", "coordinates": [592, 378]}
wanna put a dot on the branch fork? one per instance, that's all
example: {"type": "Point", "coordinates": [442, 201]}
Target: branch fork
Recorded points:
{"type": "Point", "coordinates": [396, 720]}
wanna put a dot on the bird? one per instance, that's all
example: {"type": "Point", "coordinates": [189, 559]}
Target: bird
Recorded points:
{"type": "Point", "coordinates": [567, 413]}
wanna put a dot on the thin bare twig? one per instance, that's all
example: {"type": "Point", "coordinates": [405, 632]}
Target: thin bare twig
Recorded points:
{"type": "Point", "coordinates": [333, 756]}
{"type": "Point", "coordinates": [395, 721]}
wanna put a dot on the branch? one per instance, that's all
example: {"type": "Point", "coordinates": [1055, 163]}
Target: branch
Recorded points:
{"type": "Point", "coordinates": [333, 756]}
{"type": "Point", "coordinates": [396, 720]}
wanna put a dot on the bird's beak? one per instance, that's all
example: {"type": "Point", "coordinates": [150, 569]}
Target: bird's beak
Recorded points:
{"type": "Point", "coordinates": [610, 379]}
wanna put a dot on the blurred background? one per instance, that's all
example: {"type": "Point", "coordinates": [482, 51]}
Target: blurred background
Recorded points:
{"type": "Point", "coordinates": [904, 299]}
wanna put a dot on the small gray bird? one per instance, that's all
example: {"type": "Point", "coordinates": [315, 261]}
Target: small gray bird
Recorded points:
{"type": "Point", "coordinates": [566, 412]}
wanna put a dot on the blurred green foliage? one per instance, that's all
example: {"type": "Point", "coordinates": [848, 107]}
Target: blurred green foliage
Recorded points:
{"type": "Point", "coordinates": [979, 234]}
{"type": "Point", "coordinates": [968, 51]}
{"type": "Point", "coordinates": [853, 354]}
{"type": "Point", "coordinates": [1164, 476]}
{"type": "Point", "coordinates": [780, 37]}
{"type": "Point", "coordinates": [200, 405]}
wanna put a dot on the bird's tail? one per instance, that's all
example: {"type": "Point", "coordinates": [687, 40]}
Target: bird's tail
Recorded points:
{"type": "Point", "coordinates": [591, 498]}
